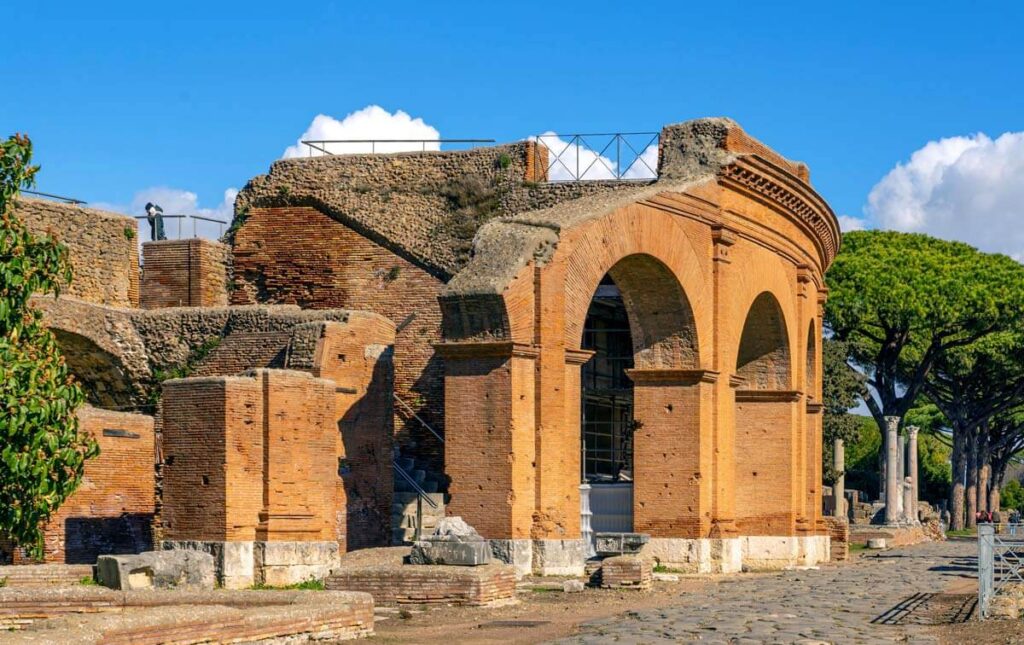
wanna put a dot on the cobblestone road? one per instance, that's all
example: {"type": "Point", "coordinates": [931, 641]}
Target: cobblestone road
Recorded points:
{"type": "Point", "coordinates": [880, 598]}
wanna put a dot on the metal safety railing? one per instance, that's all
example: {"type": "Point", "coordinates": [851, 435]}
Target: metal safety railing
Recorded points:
{"type": "Point", "coordinates": [421, 495]}
{"type": "Point", "coordinates": [412, 412]}
{"type": "Point", "coordinates": [399, 145]}
{"type": "Point", "coordinates": [610, 156]}
{"type": "Point", "coordinates": [1000, 562]}
{"type": "Point", "coordinates": [220, 223]}
{"type": "Point", "coordinates": [66, 200]}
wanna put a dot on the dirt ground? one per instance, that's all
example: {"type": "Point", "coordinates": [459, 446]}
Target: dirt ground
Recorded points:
{"type": "Point", "coordinates": [541, 614]}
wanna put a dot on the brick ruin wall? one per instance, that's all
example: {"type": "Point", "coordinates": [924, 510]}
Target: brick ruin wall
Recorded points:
{"type": "Point", "coordinates": [103, 248]}
{"type": "Point", "coordinates": [184, 273]}
{"type": "Point", "coordinates": [301, 256]}
{"type": "Point", "coordinates": [253, 458]}
{"type": "Point", "coordinates": [112, 510]}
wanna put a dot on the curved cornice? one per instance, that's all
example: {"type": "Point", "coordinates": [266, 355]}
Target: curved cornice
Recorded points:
{"type": "Point", "coordinates": [765, 181]}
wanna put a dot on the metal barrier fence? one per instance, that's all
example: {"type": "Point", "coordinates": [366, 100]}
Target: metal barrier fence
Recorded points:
{"type": "Point", "coordinates": [610, 156]}
{"type": "Point", "coordinates": [178, 236]}
{"type": "Point", "coordinates": [1000, 561]}
{"type": "Point", "coordinates": [363, 146]}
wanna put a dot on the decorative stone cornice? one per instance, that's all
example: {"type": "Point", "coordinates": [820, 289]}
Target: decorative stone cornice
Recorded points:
{"type": "Point", "coordinates": [486, 349]}
{"type": "Point", "coordinates": [671, 376]}
{"type": "Point", "coordinates": [578, 356]}
{"type": "Point", "coordinates": [768, 396]}
{"type": "Point", "coordinates": [814, 407]}
{"type": "Point", "coordinates": [756, 176]}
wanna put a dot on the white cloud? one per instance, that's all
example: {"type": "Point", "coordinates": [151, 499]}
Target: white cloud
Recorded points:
{"type": "Point", "coordinates": [849, 223]}
{"type": "Point", "coordinates": [962, 188]}
{"type": "Point", "coordinates": [175, 201]}
{"type": "Point", "coordinates": [570, 159]}
{"type": "Point", "coordinates": [372, 122]}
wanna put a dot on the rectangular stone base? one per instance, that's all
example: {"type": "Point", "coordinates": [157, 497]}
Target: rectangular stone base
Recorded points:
{"type": "Point", "coordinates": [627, 572]}
{"type": "Point", "coordinates": [703, 555]}
{"type": "Point", "coordinates": [766, 552]}
{"type": "Point", "coordinates": [240, 565]}
{"type": "Point", "coordinates": [401, 584]}
{"type": "Point", "coordinates": [541, 557]}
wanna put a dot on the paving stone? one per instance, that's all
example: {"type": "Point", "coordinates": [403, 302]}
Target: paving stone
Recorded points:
{"type": "Point", "coordinates": [835, 604]}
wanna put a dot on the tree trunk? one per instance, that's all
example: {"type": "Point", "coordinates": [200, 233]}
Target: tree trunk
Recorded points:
{"type": "Point", "coordinates": [972, 480]}
{"type": "Point", "coordinates": [956, 491]}
{"type": "Point", "coordinates": [993, 499]}
{"type": "Point", "coordinates": [984, 468]}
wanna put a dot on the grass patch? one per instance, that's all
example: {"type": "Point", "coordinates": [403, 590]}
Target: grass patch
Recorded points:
{"type": "Point", "coordinates": [660, 568]}
{"type": "Point", "coordinates": [88, 581]}
{"type": "Point", "coordinates": [306, 585]}
{"type": "Point", "coordinates": [3, 582]}
{"type": "Point", "coordinates": [962, 533]}
{"type": "Point", "coordinates": [857, 548]}
{"type": "Point", "coordinates": [546, 589]}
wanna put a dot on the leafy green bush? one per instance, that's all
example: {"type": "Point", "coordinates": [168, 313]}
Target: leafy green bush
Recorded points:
{"type": "Point", "coordinates": [42, 451]}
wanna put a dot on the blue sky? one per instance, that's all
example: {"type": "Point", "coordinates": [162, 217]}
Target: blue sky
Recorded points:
{"type": "Point", "coordinates": [121, 97]}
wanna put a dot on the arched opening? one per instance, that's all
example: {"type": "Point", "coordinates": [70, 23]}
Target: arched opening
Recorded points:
{"type": "Point", "coordinates": [763, 358]}
{"type": "Point", "coordinates": [766, 419]}
{"type": "Point", "coordinates": [101, 374]}
{"type": "Point", "coordinates": [638, 319]}
{"type": "Point", "coordinates": [809, 371]}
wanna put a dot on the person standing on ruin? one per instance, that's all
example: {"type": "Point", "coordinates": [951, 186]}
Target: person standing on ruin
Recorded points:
{"type": "Point", "coordinates": [154, 215]}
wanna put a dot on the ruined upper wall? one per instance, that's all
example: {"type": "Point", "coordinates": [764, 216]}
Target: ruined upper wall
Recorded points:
{"type": "Point", "coordinates": [424, 206]}
{"type": "Point", "coordinates": [430, 206]}
{"type": "Point", "coordinates": [120, 354]}
{"type": "Point", "coordinates": [103, 248]}
{"type": "Point", "coordinates": [702, 151]}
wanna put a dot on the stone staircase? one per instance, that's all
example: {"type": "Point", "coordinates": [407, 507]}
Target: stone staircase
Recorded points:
{"type": "Point", "coordinates": [403, 504]}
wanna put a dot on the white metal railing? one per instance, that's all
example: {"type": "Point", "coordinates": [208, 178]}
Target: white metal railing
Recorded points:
{"type": "Point", "coordinates": [1000, 562]}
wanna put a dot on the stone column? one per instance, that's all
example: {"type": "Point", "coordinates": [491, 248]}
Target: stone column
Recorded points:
{"type": "Point", "coordinates": [908, 501]}
{"type": "Point", "coordinates": [586, 529]}
{"type": "Point", "coordinates": [901, 461]}
{"type": "Point", "coordinates": [892, 482]}
{"type": "Point", "coordinates": [915, 483]}
{"type": "Point", "coordinates": [839, 488]}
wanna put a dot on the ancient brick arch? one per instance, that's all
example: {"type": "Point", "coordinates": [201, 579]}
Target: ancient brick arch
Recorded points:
{"type": "Point", "coordinates": [763, 359]}
{"type": "Point", "coordinates": [661, 320]}
{"type": "Point", "coordinates": [102, 375]}
{"type": "Point", "coordinates": [810, 367]}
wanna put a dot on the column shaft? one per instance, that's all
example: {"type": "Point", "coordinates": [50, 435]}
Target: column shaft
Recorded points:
{"type": "Point", "coordinates": [892, 486]}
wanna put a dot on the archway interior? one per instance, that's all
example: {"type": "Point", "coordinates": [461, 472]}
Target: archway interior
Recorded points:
{"type": "Point", "coordinates": [100, 374]}
{"type": "Point", "coordinates": [607, 393]}
{"type": "Point", "coordinates": [763, 359]}
{"type": "Point", "coordinates": [812, 345]}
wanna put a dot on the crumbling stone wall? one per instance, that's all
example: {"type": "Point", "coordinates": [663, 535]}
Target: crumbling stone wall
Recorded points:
{"type": "Point", "coordinates": [414, 204]}
{"type": "Point", "coordinates": [112, 511]}
{"type": "Point", "coordinates": [103, 247]}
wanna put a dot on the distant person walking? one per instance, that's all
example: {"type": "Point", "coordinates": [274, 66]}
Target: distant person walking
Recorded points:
{"type": "Point", "coordinates": [155, 217]}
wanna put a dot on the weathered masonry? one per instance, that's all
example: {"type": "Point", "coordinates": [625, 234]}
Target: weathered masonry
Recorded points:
{"type": "Point", "coordinates": [657, 341]}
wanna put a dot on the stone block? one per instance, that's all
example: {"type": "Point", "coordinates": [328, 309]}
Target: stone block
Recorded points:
{"type": "Point", "coordinates": [518, 553]}
{"type": "Point", "coordinates": [453, 542]}
{"type": "Point", "coordinates": [279, 564]}
{"type": "Point", "coordinates": [558, 557]}
{"type": "Point", "coordinates": [619, 543]}
{"type": "Point", "coordinates": [573, 586]}
{"type": "Point", "coordinates": [626, 572]}
{"type": "Point", "coordinates": [156, 570]}
{"type": "Point", "coordinates": [450, 552]}
{"type": "Point", "coordinates": [233, 561]}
